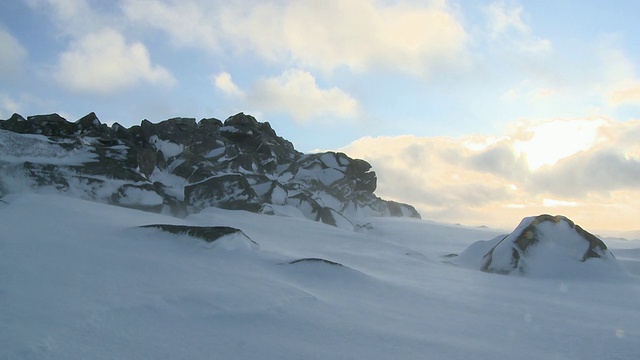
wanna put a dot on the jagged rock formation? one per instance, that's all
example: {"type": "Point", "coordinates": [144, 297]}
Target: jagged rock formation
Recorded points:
{"type": "Point", "coordinates": [181, 166]}
{"type": "Point", "coordinates": [543, 245]}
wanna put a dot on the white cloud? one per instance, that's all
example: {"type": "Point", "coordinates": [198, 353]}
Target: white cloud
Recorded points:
{"type": "Point", "coordinates": [74, 17]}
{"type": "Point", "coordinates": [629, 94]}
{"type": "Point", "coordinates": [506, 24]}
{"type": "Point", "coordinates": [224, 83]}
{"type": "Point", "coordinates": [65, 9]}
{"type": "Point", "coordinates": [294, 92]}
{"type": "Point", "coordinates": [601, 79]}
{"type": "Point", "coordinates": [502, 19]}
{"type": "Point", "coordinates": [592, 173]}
{"type": "Point", "coordinates": [8, 105]}
{"type": "Point", "coordinates": [187, 23]}
{"type": "Point", "coordinates": [413, 37]}
{"type": "Point", "coordinates": [297, 93]}
{"type": "Point", "coordinates": [103, 62]}
{"type": "Point", "coordinates": [620, 76]}
{"type": "Point", "coordinates": [12, 54]}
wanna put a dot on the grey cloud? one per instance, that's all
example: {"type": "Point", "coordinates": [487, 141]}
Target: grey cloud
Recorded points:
{"type": "Point", "coordinates": [402, 186]}
{"type": "Point", "coordinates": [447, 181]}
{"type": "Point", "coordinates": [498, 160]}
{"type": "Point", "coordinates": [12, 54]}
{"type": "Point", "coordinates": [600, 171]}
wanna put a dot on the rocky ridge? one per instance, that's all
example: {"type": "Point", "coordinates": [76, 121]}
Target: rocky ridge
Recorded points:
{"type": "Point", "coordinates": [180, 166]}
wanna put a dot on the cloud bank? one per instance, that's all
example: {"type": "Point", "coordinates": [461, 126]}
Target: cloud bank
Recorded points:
{"type": "Point", "coordinates": [589, 171]}
{"type": "Point", "coordinates": [413, 37]}
{"type": "Point", "coordinates": [294, 92]}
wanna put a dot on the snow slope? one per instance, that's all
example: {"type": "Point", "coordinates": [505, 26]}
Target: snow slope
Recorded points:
{"type": "Point", "coordinates": [79, 280]}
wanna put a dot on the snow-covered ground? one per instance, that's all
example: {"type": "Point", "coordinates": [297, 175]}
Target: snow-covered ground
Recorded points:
{"type": "Point", "coordinates": [79, 280]}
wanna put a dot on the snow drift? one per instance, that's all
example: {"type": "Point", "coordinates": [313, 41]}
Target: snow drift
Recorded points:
{"type": "Point", "coordinates": [80, 280]}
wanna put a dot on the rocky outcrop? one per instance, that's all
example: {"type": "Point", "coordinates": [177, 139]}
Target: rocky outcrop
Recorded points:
{"type": "Point", "coordinates": [180, 166]}
{"type": "Point", "coordinates": [225, 236]}
{"type": "Point", "coordinates": [543, 245]}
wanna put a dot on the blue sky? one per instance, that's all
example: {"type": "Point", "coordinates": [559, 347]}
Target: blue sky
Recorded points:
{"type": "Point", "coordinates": [478, 75]}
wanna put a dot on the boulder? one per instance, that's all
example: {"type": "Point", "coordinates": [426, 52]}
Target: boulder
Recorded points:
{"type": "Point", "coordinates": [543, 245]}
{"type": "Point", "coordinates": [231, 192]}
{"type": "Point", "coordinates": [235, 238]}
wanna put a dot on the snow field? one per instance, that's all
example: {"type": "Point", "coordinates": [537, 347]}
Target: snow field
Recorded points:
{"type": "Point", "coordinates": [80, 280]}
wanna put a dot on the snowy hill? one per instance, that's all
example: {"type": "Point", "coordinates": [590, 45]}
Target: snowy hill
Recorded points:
{"type": "Point", "coordinates": [180, 166]}
{"type": "Point", "coordinates": [83, 280]}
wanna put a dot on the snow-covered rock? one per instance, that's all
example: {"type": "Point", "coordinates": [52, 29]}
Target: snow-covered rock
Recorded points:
{"type": "Point", "coordinates": [220, 237]}
{"type": "Point", "coordinates": [180, 166]}
{"type": "Point", "coordinates": [541, 246]}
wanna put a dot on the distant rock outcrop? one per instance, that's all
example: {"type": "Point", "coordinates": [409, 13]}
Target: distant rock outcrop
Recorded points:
{"type": "Point", "coordinates": [543, 245]}
{"type": "Point", "coordinates": [180, 166]}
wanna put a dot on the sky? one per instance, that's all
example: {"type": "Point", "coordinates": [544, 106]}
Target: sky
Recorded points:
{"type": "Point", "coordinates": [476, 112]}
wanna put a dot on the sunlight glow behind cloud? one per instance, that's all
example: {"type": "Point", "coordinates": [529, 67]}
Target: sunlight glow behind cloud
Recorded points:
{"type": "Point", "coordinates": [325, 73]}
{"type": "Point", "coordinates": [575, 167]}
{"type": "Point", "coordinates": [548, 142]}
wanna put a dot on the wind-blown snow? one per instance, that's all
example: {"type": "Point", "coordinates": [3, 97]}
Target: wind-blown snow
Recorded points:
{"type": "Point", "coordinates": [134, 196]}
{"type": "Point", "coordinates": [80, 280]}
{"type": "Point", "coordinates": [38, 149]}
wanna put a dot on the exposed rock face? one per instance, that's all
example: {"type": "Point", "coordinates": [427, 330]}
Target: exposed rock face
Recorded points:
{"type": "Point", "coordinates": [181, 166]}
{"type": "Point", "coordinates": [543, 245]}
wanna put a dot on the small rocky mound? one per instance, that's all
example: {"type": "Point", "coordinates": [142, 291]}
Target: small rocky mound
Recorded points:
{"type": "Point", "coordinates": [315, 260]}
{"type": "Point", "coordinates": [208, 234]}
{"type": "Point", "coordinates": [543, 245]}
{"type": "Point", "coordinates": [180, 166]}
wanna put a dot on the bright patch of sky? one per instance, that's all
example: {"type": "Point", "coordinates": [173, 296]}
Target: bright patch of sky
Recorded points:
{"type": "Point", "coordinates": [326, 74]}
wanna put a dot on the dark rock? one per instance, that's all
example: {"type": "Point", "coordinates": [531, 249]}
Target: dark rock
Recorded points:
{"type": "Point", "coordinates": [543, 244]}
{"type": "Point", "coordinates": [147, 160]}
{"type": "Point", "coordinates": [397, 209]}
{"type": "Point", "coordinates": [52, 125]}
{"type": "Point", "coordinates": [238, 164]}
{"type": "Point", "coordinates": [206, 233]}
{"type": "Point", "coordinates": [231, 192]}
{"type": "Point", "coordinates": [315, 260]}
{"type": "Point", "coordinates": [209, 234]}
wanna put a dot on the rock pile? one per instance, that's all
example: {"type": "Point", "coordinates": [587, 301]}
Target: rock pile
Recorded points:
{"type": "Point", "coordinates": [181, 166]}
